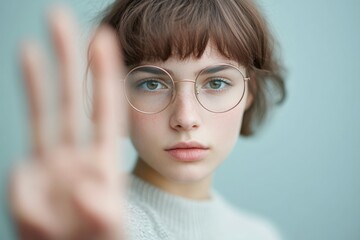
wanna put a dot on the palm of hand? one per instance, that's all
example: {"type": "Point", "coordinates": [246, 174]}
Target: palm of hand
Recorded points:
{"type": "Point", "coordinates": [69, 191]}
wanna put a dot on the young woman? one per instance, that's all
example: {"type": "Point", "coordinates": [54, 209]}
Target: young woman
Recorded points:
{"type": "Point", "coordinates": [196, 74]}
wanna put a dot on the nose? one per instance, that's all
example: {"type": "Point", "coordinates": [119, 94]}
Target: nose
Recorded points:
{"type": "Point", "coordinates": [185, 111]}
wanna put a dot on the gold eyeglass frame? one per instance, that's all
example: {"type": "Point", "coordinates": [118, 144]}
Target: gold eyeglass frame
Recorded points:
{"type": "Point", "coordinates": [196, 91]}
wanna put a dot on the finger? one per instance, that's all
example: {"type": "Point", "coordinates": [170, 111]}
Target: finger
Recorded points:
{"type": "Point", "coordinates": [105, 65]}
{"type": "Point", "coordinates": [30, 204]}
{"type": "Point", "coordinates": [102, 220]}
{"type": "Point", "coordinates": [64, 32]}
{"type": "Point", "coordinates": [32, 63]}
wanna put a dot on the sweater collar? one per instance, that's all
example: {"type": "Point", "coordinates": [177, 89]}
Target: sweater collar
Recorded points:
{"type": "Point", "coordinates": [178, 213]}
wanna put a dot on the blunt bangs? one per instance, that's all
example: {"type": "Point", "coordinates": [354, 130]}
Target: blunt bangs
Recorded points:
{"type": "Point", "coordinates": [155, 30]}
{"type": "Point", "coordinates": [158, 30]}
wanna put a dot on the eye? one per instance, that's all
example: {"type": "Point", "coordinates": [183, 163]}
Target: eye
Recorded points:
{"type": "Point", "coordinates": [217, 84]}
{"type": "Point", "coordinates": [151, 85]}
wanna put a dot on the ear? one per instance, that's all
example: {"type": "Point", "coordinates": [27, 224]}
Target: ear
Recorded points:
{"type": "Point", "coordinates": [251, 90]}
{"type": "Point", "coordinates": [249, 100]}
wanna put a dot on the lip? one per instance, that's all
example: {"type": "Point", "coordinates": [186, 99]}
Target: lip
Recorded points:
{"type": "Point", "coordinates": [188, 151]}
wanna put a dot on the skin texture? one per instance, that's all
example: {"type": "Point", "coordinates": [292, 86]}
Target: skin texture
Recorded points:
{"type": "Point", "coordinates": [185, 120]}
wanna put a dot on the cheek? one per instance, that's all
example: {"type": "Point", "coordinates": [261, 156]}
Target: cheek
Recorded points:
{"type": "Point", "coordinates": [228, 124]}
{"type": "Point", "coordinates": [144, 128]}
{"type": "Point", "coordinates": [226, 132]}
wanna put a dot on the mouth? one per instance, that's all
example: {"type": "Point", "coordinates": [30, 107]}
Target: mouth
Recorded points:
{"type": "Point", "coordinates": [188, 152]}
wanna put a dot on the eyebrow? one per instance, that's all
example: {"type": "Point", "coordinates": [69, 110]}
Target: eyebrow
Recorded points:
{"type": "Point", "coordinates": [152, 70]}
{"type": "Point", "coordinates": [215, 69]}
{"type": "Point", "coordinates": [210, 70]}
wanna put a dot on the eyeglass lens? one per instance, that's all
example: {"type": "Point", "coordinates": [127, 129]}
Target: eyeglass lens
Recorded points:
{"type": "Point", "coordinates": [150, 89]}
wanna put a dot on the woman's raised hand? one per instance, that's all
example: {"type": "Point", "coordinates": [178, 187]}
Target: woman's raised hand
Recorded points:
{"type": "Point", "coordinates": [65, 190]}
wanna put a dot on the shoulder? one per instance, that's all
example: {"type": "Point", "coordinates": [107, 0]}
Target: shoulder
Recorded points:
{"type": "Point", "coordinates": [247, 225]}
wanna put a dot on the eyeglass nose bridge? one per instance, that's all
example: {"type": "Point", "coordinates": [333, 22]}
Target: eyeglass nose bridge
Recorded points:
{"type": "Point", "coordinates": [185, 80]}
{"type": "Point", "coordinates": [197, 92]}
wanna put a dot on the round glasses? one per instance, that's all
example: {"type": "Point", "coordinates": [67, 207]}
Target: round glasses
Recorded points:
{"type": "Point", "coordinates": [218, 88]}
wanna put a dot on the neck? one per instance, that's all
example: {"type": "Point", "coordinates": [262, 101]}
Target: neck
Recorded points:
{"type": "Point", "coordinates": [199, 190]}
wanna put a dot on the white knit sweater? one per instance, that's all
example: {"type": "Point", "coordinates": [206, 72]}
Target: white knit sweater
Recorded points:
{"type": "Point", "coordinates": [154, 214]}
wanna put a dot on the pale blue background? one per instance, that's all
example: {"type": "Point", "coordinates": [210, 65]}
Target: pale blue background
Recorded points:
{"type": "Point", "coordinates": [303, 170]}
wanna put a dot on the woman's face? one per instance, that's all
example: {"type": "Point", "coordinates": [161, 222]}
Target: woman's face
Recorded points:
{"type": "Point", "coordinates": [185, 142]}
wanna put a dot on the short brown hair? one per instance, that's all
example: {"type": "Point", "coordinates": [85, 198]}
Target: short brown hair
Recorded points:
{"type": "Point", "coordinates": [159, 29]}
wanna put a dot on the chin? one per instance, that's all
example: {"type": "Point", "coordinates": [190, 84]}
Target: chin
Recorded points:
{"type": "Point", "coordinates": [187, 174]}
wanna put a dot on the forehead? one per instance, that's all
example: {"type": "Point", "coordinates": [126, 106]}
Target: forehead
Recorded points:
{"type": "Point", "coordinates": [191, 66]}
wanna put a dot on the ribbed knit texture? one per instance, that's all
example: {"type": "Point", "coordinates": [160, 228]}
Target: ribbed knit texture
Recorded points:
{"type": "Point", "coordinates": [155, 214]}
